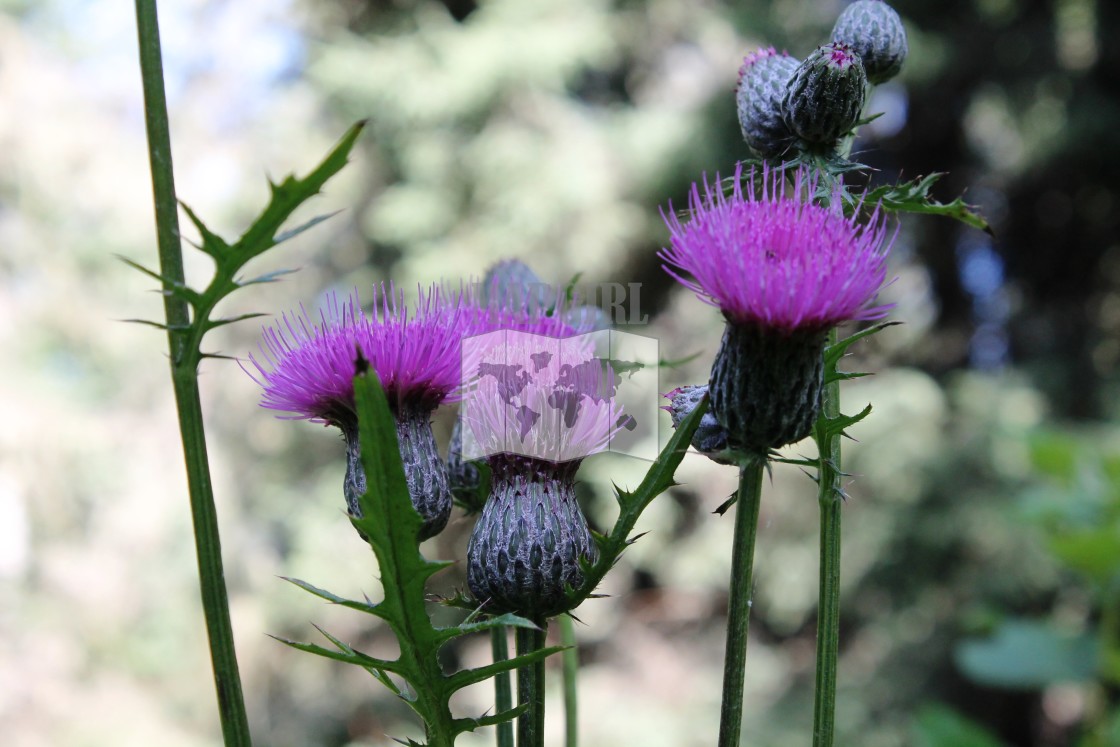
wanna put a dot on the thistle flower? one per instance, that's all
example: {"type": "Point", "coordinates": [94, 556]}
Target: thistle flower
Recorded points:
{"type": "Point", "coordinates": [783, 272]}
{"type": "Point", "coordinates": [307, 370]}
{"type": "Point", "coordinates": [537, 408]}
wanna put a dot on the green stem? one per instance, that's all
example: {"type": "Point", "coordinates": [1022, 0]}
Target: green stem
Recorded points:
{"type": "Point", "coordinates": [503, 689]}
{"type": "Point", "coordinates": [828, 603]}
{"type": "Point", "coordinates": [184, 377]}
{"type": "Point", "coordinates": [739, 604]}
{"type": "Point", "coordinates": [530, 687]}
{"type": "Point", "coordinates": [571, 675]}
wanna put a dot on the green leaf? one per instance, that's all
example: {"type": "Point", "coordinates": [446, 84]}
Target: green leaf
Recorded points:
{"type": "Point", "coordinates": [914, 197]}
{"type": "Point", "coordinates": [1026, 654]}
{"type": "Point", "coordinates": [940, 726]}
{"type": "Point", "coordinates": [213, 323]}
{"type": "Point", "coordinates": [828, 427]}
{"type": "Point", "coordinates": [212, 243]}
{"type": "Point", "coordinates": [289, 195]}
{"type": "Point", "coordinates": [268, 277]}
{"type": "Point", "coordinates": [657, 480]}
{"type": "Point", "coordinates": [349, 656]}
{"type": "Point", "coordinates": [293, 232]}
{"type": "Point", "coordinates": [1094, 552]}
{"type": "Point", "coordinates": [262, 234]}
{"type": "Point", "coordinates": [834, 353]}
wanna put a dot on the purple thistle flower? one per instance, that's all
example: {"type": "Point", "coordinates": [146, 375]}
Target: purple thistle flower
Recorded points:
{"type": "Point", "coordinates": [768, 257]}
{"type": "Point", "coordinates": [307, 370]}
{"type": "Point", "coordinates": [783, 271]}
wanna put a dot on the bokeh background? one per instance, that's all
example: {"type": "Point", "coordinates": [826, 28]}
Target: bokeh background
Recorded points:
{"type": "Point", "coordinates": [981, 574]}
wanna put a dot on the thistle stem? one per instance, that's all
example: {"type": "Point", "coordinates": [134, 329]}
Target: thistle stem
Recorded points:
{"type": "Point", "coordinates": [571, 676]}
{"type": "Point", "coordinates": [503, 689]}
{"type": "Point", "coordinates": [828, 603]}
{"type": "Point", "coordinates": [739, 603]}
{"type": "Point", "coordinates": [184, 377]}
{"type": "Point", "coordinates": [530, 686]}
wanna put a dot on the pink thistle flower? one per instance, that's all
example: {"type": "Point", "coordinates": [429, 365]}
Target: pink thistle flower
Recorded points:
{"type": "Point", "coordinates": [768, 257]}
{"type": "Point", "coordinates": [783, 271]}
{"type": "Point", "coordinates": [307, 370]}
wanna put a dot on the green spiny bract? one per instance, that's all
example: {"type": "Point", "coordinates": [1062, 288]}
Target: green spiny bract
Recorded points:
{"type": "Point", "coordinates": [765, 385]}
{"type": "Point", "coordinates": [825, 95]}
{"type": "Point", "coordinates": [526, 548]}
{"type": "Point", "coordinates": [875, 32]}
{"type": "Point", "coordinates": [763, 79]}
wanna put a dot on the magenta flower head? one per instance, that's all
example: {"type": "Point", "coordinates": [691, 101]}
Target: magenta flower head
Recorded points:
{"type": "Point", "coordinates": [783, 271]}
{"type": "Point", "coordinates": [308, 368]}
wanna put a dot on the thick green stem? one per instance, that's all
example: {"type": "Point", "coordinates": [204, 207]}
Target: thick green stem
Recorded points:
{"type": "Point", "coordinates": [828, 603]}
{"type": "Point", "coordinates": [530, 687]}
{"type": "Point", "coordinates": [184, 376]}
{"type": "Point", "coordinates": [739, 603]}
{"type": "Point", "coordinates": [503, 688]}
{"type": "Point", "coordinates": [571, 678]}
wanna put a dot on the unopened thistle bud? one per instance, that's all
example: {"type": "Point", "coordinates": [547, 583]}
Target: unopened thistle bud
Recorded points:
{"type": "Point", "coordinates": [710, 438]}
{"type": "Point", "coordinates": [526, 548]}
{"type": "Point", "coordinates": [875, 32]}
{"type": "Point", "coordinates": [763, 79]}
{"type": "Point", "coordinates": [825, 95]}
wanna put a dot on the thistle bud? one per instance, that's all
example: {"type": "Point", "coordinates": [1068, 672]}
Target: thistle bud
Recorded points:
{"type": "Point", "coordinates": [825, 94]}
{"type": "Point", "coordinates": [875, 32]}
{"type": "Point", "coordinates": [463, 476]}
{"type": "Point", "coordinates": [527, 545]}
{"type": "Point", "coordinates": [425, 472]}
{"type": "Point", "coordinates": [710, 438]}
{"type": "Point", "coordinates": [763, 78]}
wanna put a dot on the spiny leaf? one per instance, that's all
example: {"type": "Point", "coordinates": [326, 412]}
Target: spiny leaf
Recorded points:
{"type": "Point", "coordinates": [462, 679]}
{"type": "Point", "coordinates": [731, 501]}
{"type": "Point", "coordinates": [213, 323]}
{"type": "Point", "coordinates": [168, 286]}
{"type": "Point", "coordinates": [290, 194]}
{"type": "Point", "coordinates": [837, 425]}
{"type": "Point", "coordinates": [470, 724]}
{"type": "Point", "coordinates": [508, 619]}
{"type": "Point", "coordinates": [834, 353]}
{"type": "Point", "coordinates": [293, 232]}
{"type": "Point", "coordinates": [147, 322]}
{"type": "Point", "coordinates": [268, 277]}
{"type": "Point", "coordinates": [351, 657]}
{"type": "Point", "coordinates": [657, 480]}
{"type": "Point", "coordinates": [212, 243]}
{"type": "Point", "coordinates": [334, 598]}
{"type": "Point", "coordinates": [914, 197]}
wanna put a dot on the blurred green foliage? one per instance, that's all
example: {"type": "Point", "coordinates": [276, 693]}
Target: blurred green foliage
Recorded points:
{"type": "Point", "coordinates": [553, 132]}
